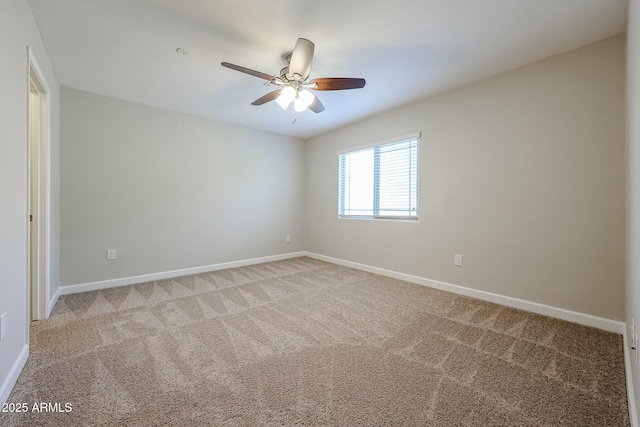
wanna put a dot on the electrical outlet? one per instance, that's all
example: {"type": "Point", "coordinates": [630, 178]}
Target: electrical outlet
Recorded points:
{"type": "Point", "coordinates": [457, 261]}
{"type": "Point", "coordinates": [3, 325]}
{"type": "Point", "coordinates": [111, 254]}
{"type": "Point", "coordinates": [288, 238]}
{"type": "Point", "coordinates": [634, 336]}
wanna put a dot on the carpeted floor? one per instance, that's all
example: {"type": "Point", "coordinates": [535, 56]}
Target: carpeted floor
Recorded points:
{"type": "Point", "coordinates": [304, 342]}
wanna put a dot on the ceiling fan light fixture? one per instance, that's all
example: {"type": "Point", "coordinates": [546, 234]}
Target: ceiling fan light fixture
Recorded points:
{"type": "Point", "coordinates": [281, 102]}
{"type": "Point", "coordinates": [299, 105]}
{"type": "Point", "coordinates": [293, 81]}
{"type": "Point", "coordinates": [304, 98]}
{"type": "Point", "coordinates": [287, 95]}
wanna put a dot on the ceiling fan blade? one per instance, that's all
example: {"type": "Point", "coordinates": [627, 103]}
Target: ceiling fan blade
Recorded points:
{"type": "Point", "coordinates": [301, 58]}
{"type": "Point", "coordinates": [316, 106]}
{"type": "Point", "coordinates": [248, 71]}
{"type": "Point", "coordinates": [268, 97]}
{"type": "Point", "coordinates": [338, 83]}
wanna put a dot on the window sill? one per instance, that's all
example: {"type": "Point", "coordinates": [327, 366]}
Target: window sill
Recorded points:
{"type": "Point", "coordinates": [385, 219]}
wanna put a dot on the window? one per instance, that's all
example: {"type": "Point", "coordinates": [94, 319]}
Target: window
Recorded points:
{"type": "Point", "coordinates": [380, 180]}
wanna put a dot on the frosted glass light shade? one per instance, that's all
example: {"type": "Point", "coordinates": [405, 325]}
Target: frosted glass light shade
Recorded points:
{"type": "Point", "coordinates": [306, 97]}
{"type": "Point", "coordinates": [299, 105]}
{"type": "Point", "coordinates": [303, 100]}
{"type": "Point", "coordinates": [286, 96]}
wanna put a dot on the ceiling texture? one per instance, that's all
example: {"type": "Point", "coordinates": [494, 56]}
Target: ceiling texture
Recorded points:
{"type": "Point", "coordinates": [406, 50]}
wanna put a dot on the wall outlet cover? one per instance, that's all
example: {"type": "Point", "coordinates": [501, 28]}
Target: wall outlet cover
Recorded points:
{"type": "Point", "coordinates": [457, 261]}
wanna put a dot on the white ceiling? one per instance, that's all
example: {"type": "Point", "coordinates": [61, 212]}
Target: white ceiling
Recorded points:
{"type": "Point", "coordinates": [406, 50]}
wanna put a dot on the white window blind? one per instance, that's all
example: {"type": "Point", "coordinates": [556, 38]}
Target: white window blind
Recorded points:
{"type": "Point", "coordinates": [381, 180]}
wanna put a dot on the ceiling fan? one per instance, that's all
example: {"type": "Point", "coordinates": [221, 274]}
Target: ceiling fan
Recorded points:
{"type": "Point", "coordinates": [294, 81]}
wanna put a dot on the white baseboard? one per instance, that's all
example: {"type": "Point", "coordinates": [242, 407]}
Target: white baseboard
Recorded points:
{"type": "Point", "coordinates": [633, 414]}
{"type": "Point", "coordinates": [534, 307]}
{"type": "Point", "coordinates": [14, 373]}
{"type": "Point", "coordinates": [560, 313]}
{"type": "Point", "coordinates": [53, 301]}
{"type": "Point", "coordinates": [112, 283]}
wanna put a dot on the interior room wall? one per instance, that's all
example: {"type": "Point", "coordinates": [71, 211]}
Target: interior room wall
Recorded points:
{"type": "Point", "coordinates": [17, 31]}
{"type": "Point", "coordinates": [522, 174]}
{"type": "Point", "coordinates": [633, 188]}
{"type": "Point", "coordinates": [170, 191]}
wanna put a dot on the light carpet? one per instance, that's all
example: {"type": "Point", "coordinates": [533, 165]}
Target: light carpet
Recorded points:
{"type": "Point", "coordinates": [305, 342]}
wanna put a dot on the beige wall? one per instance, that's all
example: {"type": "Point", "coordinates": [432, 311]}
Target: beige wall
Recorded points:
{"type": "Point", "coordinates": [633, 185]}
{"type": "Point", "coordinates": [522, 174]}
{"type": "Point", "coordinates": [170, 191]}
{"type": "Point", "coordinates": [17, 31]}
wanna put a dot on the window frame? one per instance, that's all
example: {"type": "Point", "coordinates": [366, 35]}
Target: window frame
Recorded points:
{"type": "Point", "coordinates": [376, 176]}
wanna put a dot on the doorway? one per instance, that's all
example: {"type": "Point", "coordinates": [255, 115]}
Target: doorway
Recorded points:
{"type": "Point", "coordinates": [38, 193]}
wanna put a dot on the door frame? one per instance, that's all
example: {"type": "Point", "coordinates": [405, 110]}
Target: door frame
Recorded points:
{"type": "Point", "coordinates": [38, 260]}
